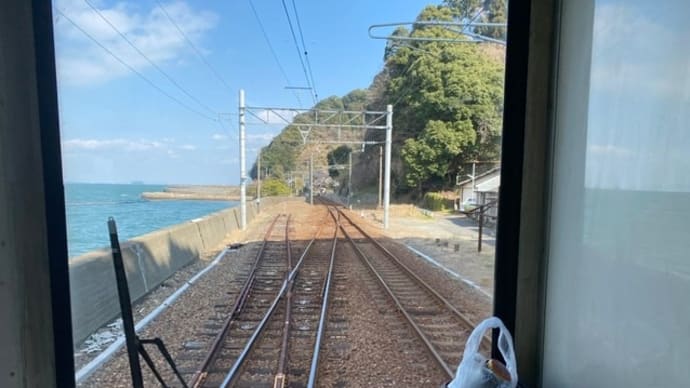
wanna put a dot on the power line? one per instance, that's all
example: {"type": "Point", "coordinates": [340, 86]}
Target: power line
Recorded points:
{"type": "Point", "coordinates": [304, 46]}
{"type": "Point", "coordinates": [299, 53]}
{"type": "Point", "coordinates": [270, 46]}
{"type": "Point", "coordinates": [133, 70]}
{"type": "Point", "coordinates": [168, 77]}
{"type": "Point", "coordinates": [229, 130]}
{"type": "Point", "coordinates": [191, 44]}
{"type": "Point", "coordinates": [409, 67]}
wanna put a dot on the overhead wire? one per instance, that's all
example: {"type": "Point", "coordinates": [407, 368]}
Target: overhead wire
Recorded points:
{"type": "Point", "coordinates": [299, 52]}
{"type": "Point", "coordinates": [270, 47]}
{"type": "Point", "coordinates": [132, 69]}
{"type": "Point", "coordinates": [152, 63]}
{"type": "Point", "coordinates": [304, 46]}
{"type": "Point", "coordinates": [408, 86]}
{"type": "Point", "coordinates": [409, 67]}
{"type": "Point", "coordinates": [193, 46]}
{"type": "Point", "coordinates": [230, 130]}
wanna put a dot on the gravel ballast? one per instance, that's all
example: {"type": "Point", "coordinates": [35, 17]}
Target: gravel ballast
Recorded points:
{"type": "Point", "coordinates": [366, 343]}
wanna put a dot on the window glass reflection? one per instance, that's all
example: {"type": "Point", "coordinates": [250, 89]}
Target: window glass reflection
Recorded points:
{"type": "Point", "coordinates": [619, 270]}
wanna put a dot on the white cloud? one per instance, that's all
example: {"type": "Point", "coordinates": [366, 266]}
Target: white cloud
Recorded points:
{"type": "Point", "coordinates": [610, 150]}
{"type": "Point", "coordinates": [637, 136]}
{"type": "Point", "coordinates": [124, 145]}
{"type": "Point", "coordinates": [111, 144]}
{"type": "Point", "coordinates": [219, 136]}
{"type": "Point", "coordinates": [627, 46]}
{"type": "Point", "coordinates": [81, 62]}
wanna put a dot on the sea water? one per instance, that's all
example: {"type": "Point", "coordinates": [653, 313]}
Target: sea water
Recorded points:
{"type": "Point", "coordinates": [89, 205]}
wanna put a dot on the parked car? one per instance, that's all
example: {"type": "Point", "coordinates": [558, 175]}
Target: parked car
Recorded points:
{"type": "Point", "coordinates": [468, 205]}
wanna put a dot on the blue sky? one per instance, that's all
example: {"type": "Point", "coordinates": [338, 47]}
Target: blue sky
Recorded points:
{"type": "Point", "coordinates": [116, 127]}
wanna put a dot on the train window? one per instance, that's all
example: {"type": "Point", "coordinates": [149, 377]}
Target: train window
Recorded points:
{"type": "Point", "coordinates": [226, 138]}
{"type": "Point", "coordinates": [618, 274]}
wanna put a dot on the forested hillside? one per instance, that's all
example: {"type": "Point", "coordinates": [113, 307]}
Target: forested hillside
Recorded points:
{"type": "Point", "coordinates": [447, 100]}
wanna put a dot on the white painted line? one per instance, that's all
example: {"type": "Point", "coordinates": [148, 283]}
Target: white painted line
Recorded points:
{"type": "Point", "coordinates": [105, 355]}
{"type": "Point", "coordinates": [451, 272]}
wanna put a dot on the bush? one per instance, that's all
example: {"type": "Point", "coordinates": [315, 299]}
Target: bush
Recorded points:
{"type": "Point", "coordinates": [274, 187]}
{"type": "Point", "coordinates": [436, 202]}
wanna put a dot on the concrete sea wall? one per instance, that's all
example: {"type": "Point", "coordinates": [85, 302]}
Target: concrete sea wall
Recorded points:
{"type": "Point", "coordinates": [149, 260]}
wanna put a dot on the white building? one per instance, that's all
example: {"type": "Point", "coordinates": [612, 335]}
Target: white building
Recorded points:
{"type": "Point", "coordinates": [483, 189]}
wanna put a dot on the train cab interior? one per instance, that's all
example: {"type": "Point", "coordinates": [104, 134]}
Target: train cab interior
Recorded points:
{"type": "Point", "coordinates": [592, 271]}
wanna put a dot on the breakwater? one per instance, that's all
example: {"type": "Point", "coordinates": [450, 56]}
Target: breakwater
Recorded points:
{"type": "Point", "coordinates": [149, 260]}
{"type": "Point", "coordinates": [217, 193]}
{"type": "Point", "coordinates": [164, 195]}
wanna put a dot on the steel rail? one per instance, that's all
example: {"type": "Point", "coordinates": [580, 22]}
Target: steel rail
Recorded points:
{"type": "Point", "coordinates": [486, 341]}
{"type": "Point", "coordinates": [313, 370]}
{"type": "Point", "coordinates": [233, 372]}
{"type": "Point", "coordinates": [279, 381]}
{"type": "Point", "coordinates": [397, 261]}
{"type": "Point", "coordinates": [430, 347]}
{"type": "Point", "coordinates": [229, 378]}
{"type": "Point", "coordinates": [201, 374]}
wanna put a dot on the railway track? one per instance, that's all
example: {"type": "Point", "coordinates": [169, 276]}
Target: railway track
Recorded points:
{"type": "Point", "coordinates": [196, 350]}
{"type": "Point", "coordinates": [274, 323]}
{"type": "Point", "coordinates": [437, 323]}
{"type": "Point", "coordinates": [272, 336]}
{"type": "Point", "coordinates": [285, 352]}
{"type": "Point", "coordinates": [229, 329]}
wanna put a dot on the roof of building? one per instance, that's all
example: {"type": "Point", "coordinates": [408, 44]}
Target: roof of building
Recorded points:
{"type": "Point", "coordinates": [490, 185]}
{"type": "Point", "coordinates": [494, 170]}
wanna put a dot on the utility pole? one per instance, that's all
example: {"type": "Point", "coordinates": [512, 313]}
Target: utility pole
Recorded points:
{"type": "Point", "coordinates": [304, 181]}
{"type": "Point", "coordinates": [293, 183]}
{"type": "Point", "coordinates": [243, 166]}
{"type": "Point", "coordinates": [322, 119]}
{"type": "Point", "coordinates": [474, 187]}
{"type": "Point", "coordinates": [349, 179]}
{"type": "Point", "coordinates": [258, 182]}
{"type": "Point", "coordinates": [387, 178]}
{"type": "Point", "coordinates": [380, 174]}
{"type": "Point", "coordinates": [311, 179]}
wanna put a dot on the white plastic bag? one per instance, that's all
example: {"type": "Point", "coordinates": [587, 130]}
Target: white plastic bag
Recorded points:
{"type": "Point", "coordinates": [476, 371]}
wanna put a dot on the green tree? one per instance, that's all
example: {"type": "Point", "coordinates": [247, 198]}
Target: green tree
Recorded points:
{"type": "Point", "coordinates": [446, 81]}
{"type": "Point", "coordinates": [356, 100]}
{"type": "Point", "coordinates": [447, 98]}
{"type": "Point", "coordinates": [449, 102]}
{"type": "Point", "coordinates": [439, 147]}
{"type": "Point", "coordinates": [282, 151]}
{"type": "Point", "coordinates": [337, 156]}
{"type": "Point", "coordinates": [495, 11]}
{"type": "Point", "coordinates": [392, 45]}
{"type": "Point", "coordinates": [274, 187]}
{"type": "Point", "coordinates": [417, 156]}
{"type": "Point", "coordinates": [464, 9]}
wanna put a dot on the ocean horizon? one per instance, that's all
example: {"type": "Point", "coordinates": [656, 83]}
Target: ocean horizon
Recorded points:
{"type": "Point", "coordinates": [89, 205]}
